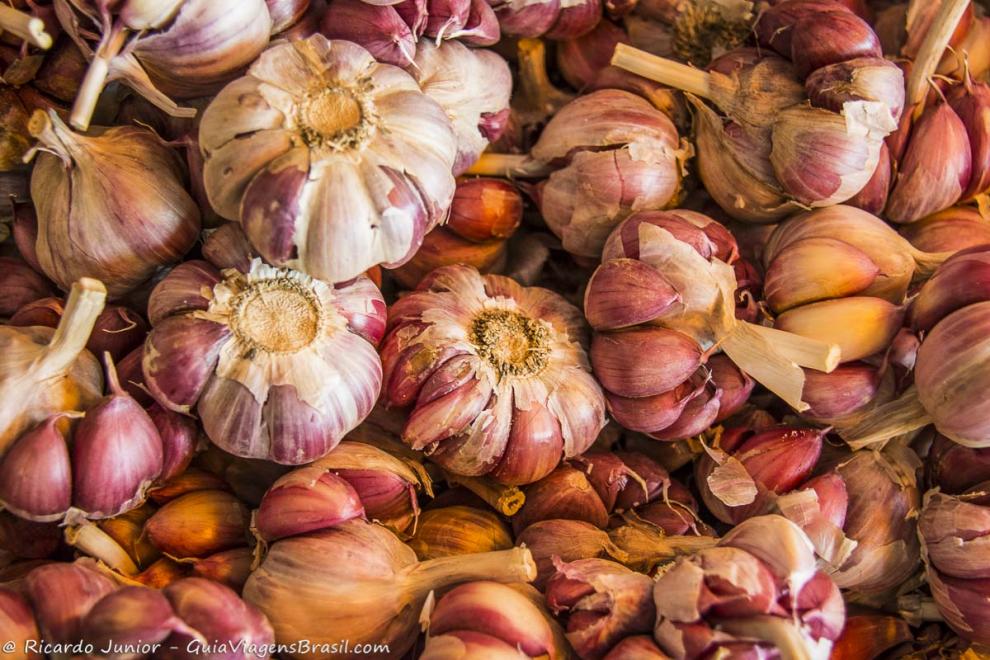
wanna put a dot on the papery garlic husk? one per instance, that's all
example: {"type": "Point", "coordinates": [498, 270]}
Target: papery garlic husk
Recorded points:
{"type": "Point", "coordinates": [603, 602]}
{"type": "Point", "coordinates": [872, 635]}
{"type": "Point", "coordinates": [199, 524]}
{"type": "Point", "coordinates": [971, 103]}
{"type": "Point", "coordinates": [956, 469]}
{"type": "Point", "coordinates": [129, 617]}
{"type": "Point", "coordinates": [20, 285]}
{"type": "Point", "coordinates": [373, 597]}
{"type": "Point", "coordinates": [564, 494]}
{"type": "Point", "coordinates": [472, 86]}
{"type": "Point", "coordinates": [854, 238]}
{"type": "Point", "coordinates": [952, 371]}
{"type": "Point", "coordinates": [386, 484]}
{"type": "Point", "coordinates": [642, 166]}
{"type": "Point", "coordinates": [740, 477]}
{"type": "Point", "coordinates": [951, 230]}
{"type": "Point", "coordinates": [759, 588]}
{"type": "Point", "coordinates": [566, 540]}
{"type": "Point", "coordinates": [111, 206]}
{"type": "Point", "coordinates": [116, 454]}
{"type": "Point", "coordinates": [458, 530]}
{"type": "Point", "coordinates": [954, 533]}
{"type": "Point", "coordinates": [127, 529]}
{"type": "Point", "coordinates": [321, 176]}
{"type": "Point", "coordinates": [689, 318]}
{"type": "Point", "coordinates": [935, 169]}
{"type": "Point", "coordinates": [45, 372]}
{"type": "Point", "coordinates": [61, 595]}
{"type": "Point", "coordinates": [277, 365]}
{"type": "Point", "coordinates": [161, 51]}
{"type": "Point", "coordinates": [17, 625]}
{"type": "Point", "coordinates": [486, 619]}
{"type": "Point", "coordinates": [506, 389]}
{"type": "Point", "coordinates": [305, 500]}
{"type": "Point", "coordinates": [963, 279]}
{"type": "Point", "coordinates": [862, 79]}
{"type": "Point", "coordinates": [230, 567]}
{"type": "Point", "coordinates": [552, 19]}
{"type": "Point", "coordinates": [216, 614]}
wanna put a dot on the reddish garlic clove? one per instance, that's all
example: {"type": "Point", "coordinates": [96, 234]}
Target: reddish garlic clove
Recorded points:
{"type": "Point", "coordinates": [25, 539]}
{"type": "Point", "coordinates": [861, 79]}
{"type": "Point", "coordinates": [485, 209]}
{"type": "Point", "coordinates": [963, 279]}
{"type": "Point", "coordinates": [305, 500]}
{"type": "Point", "coordinates": [936, 167]}
{"type": "Point", "coordinates": [17, 625]}
{"type": "Point", "coordinates": [836, 37]}
{"type": "Point", "coordinates": [951, 230]}
{"type": "Point", "coordinates": [956, 469]}
{"type": "Point", "coordinates": [814, 269]}
{"type": "Point", "coordinates": [603, 601]}
{"type": "Point", "coordinates": [636, 646]}
{"type": "Point", "coordinates": [971, 102]}
{"type": "Point", "coordinates": [733, 384]}
{"type": "Point", "coordinates": [566, 540]}
{"type": "Point", "coordinates": [848, 388]}
{"type": "Point", "coordinates": [20, 284]}
{"type": "Point", "coordinates": [581, 60]}
{"type": "Point", "coordinates": [626, 292]}
{"type": "Point", "coordinates": [36, 475]}
{"type": "Point", "coordinates": [199, 524]}
{"type": "Point", "coordinates": [229, 567]}
{"type": "Point", "coordinates": [491, 609]}
{"type": "Point", "coordinates": [130, 616]}
{"type": "Point", "coordinates": [62, 594]}
{"type": "Point", "coordinates": [618, 364]}
{"type": "Point", "coordinates": [565, 493]}
{"type": "Point", "coordinates": [180, 440]}
{"type": "Point", "coordinates": [116, 454]}
{"type": "Point", "coordinates": [873, 197]}
{"type": "Point", "coordinates": [607, 473]}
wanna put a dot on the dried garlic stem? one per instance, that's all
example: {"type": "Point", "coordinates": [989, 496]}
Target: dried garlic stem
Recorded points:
{"type": "Point", "coordinates": [509, 165]}
{"type": "Point", "coordinates": [668, 72]}
{"type": "Point", "coordinates": [645, 549]}
{"type": "Point", "coordinates": [515, 565]}
{"type": "Point", "coordinates": [783, 634]}
{"type": "Point", "coordinates": [94, 542]}
{"type": "Point", "coordinates": [534, 83]}
{"type": "Point", "coordinates": [804, 352]}
{"type": "Point", "coordinates": [507, 500]}
{"type": "Point", "coordinates": [927, 262]}
{"type": "Point", "coordinates": [84, 306]}
{"type": "Point", "coordinates": [25, 27]}
{"type": "Point", "coordinates": [932, 48]}
{"type": "Point", "coordinates": [900, 416]}
{"type": "Point", "coordinates": [96, 77]}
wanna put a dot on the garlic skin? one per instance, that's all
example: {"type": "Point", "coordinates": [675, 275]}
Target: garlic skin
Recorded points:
{"type": "Point", "coordinates": [506, 389]}
{"type": "Point", "coordinates": [278, 365]}
{"type": "Point", "coordinates": [111, 206]}
{"type": "Point", "coordinates": [323, 182]}
{"type": "Point", "coordinates": [472, 86]}
{"type": "Point", "coordinates": [596, 188]}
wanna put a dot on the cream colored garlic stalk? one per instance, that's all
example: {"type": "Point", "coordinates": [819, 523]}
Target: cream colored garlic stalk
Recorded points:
{"type": "Point", "coordinates": [278, 365]}
{"type": "Point", "coordinates": [332, 161]}
{"type": "Point", "coordinates": [495, 374]}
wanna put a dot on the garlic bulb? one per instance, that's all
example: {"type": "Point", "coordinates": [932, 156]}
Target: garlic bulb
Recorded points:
{"type": "Point", "coordinates": [495, 373]}
{"type": "Point", "coordinates": [472, 86]}
{"type": "Point", "coordinates": [111, 206]}
{"type": "Point", "coordinates": [332, 162]}
{"type": "Point", "coordinates": [180, 48]}
{"type": "Point", "coordinates": [278, 365]}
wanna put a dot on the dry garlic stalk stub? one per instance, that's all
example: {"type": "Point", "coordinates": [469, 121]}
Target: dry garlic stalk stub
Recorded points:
{"type": "Point", "coordinates": [332, 162]}
{"type": "Point", "coordinates": [278, 365]}
{"type": "Point", "coordinates": [495, 374]}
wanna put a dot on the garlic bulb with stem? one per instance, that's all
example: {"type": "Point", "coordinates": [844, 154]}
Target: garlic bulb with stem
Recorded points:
{"type": "Point", "coordinates": [278, 365]}
{"type": "Point", "coordinates": [111, 206]}
{"type": "Point", "coordinates": [30, 29]}
{"type": "Point", "coordinates": [329, 179]}
{"type": "Point", "coordinates": [505, 389]}
{"type": "Point", "coordinates": [182, 48]}
{"type": "Point", "coordinates": [309, 594]}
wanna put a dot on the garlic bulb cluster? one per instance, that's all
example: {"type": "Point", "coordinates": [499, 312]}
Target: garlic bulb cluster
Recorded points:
{"type": "Point", "coordinates": [276, 364]}
{"type": "Point", "coordinates": [494, 374]}
{"type": "Point", "coordinates": [612, 153]}
{"type": "Point", "coordinates": [393, 32]}
{"type": "Point", "coordinates": [802, 127]}
{"type": "Point", "coordinates": [332, 162]}
{"type": "Point", "coordinates": [661, 303]}
{"type": "Point", "coordinates": [180, 49]}
{"type": "Point", "coordinates": [111, 206]}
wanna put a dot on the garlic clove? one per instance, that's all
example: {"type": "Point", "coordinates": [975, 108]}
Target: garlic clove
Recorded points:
{"type": "Point", "coordinates": [860, 325]}
{"type": "Point", "coordinates": [733, 384]}
{"type": "Point", "coordinates": [130, 616]}
{"type": "Point", "coordinates": [187, 481]}
{"type": "Point", "coordinates": [62, 594]}
{"type": "Point", "coordinates": [116, 454]}
{"type": "Point", "coordinates": [860, 79]}
{"type": "Point", "coordinates": [951, 230]}
{"type": "Point", "coordinates": [776, 26]}
{"type": "Point", "coordinates": [971, 103]}
{"type": "Point", "coordinates": [461, 644]}
{"type": "Point", "coordinates": [184, 291]}
{"type": "Point", "coordinates": [17, 625]}
{"type": "Point", "coordinates": [652, 414]}
{"type": "Point", "coordinates": [814, 269]}
{"type": "Point", "coordinates": [636, 646]}
{"type": "Point", "coordinates": [534, 448]}
{"type": "Point", "coordinates": [180, 356]}
{"type": "Point", "coordinates": [575, 19]}
{"type": "Point", "coordinates": [458, 400]}
{"type": "Point", "coordinates": [180, 440]}
{"type": "Point", "coordinates": [521, 19]}
{"type": "Point", "coordinates": [380, 29]}
{"type": "Point", "coordinates": [26, 539]}
{"type": "Point", "coordinates": [606, 473]}
{"type": "Point", "coordinates": [618, 364]}
{"type": "Point", "coordinates": [818, 41]}
{"type": "Point", "coordinates": [35, 474]}
{"type": "Point", "coordinates": [582, 59]}
{"type": "Point", "coordinates": [935, 169]}
{"type": "Point", "coordinates": [699, 414]}
{"type": "Point", "coordinates": [228, 567]}
{"type": "Point", "coordinates": [485, 209]}
{"type": "Point", "coordinates": [565, 494]}
{"type": "Point", "coordinates": [305, 500]}
{"type": "Point", "coordinates": [458, 530]}
{"type": "Point", "coordinates": [873, 197]}
{"type": "Point", "coordinates": [956, 469]}
{"type": "Point", "coordinates": [870, 635]}
{"type": "Point", "coordinates": [286, 13]}
{"type": "Point", "coordinates": [850, 387]}
{"type": "Point", "coordinates": [199, 524]}
{"type": "Point", "coordinates": [963, 279]}
{"type": "Point", "coordinates": [566, 540]}
{"type": "Point", "coordinates": [626, 292]}
{"type": "Point", "coordinates": [20, 285]}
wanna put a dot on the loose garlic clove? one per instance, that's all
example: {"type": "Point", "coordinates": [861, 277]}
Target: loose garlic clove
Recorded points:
{"type": "Point", "coordinates": [860, 325]}
{"type": "Point", "coordinates": [305, 500]}
{"type": "Point", "coordinates": [851, 387]}
{"type": "Point", "coordinates": [458, 530]}
{"type": "Point", "coordinates": [62, 594]}
{"type": "Point", "coordinates": [199, 524]}
{"type": "Point", "coordinates": [814, 269]}
{"type": "Point", "coordinates": [35, 474]}
{"type": "Point", "coordinates": [951, 230]}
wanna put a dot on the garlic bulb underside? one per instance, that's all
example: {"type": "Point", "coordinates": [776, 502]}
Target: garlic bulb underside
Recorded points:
{"type": "Point", "coordinates": [278, 365]}
{"type": "Point", "coordinates": [332, 162]}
